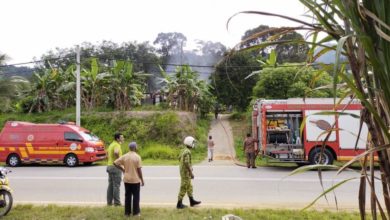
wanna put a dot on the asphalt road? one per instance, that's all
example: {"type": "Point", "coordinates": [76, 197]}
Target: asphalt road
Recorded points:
{"type": "Point", "coordinates": [220, 183]}
{"type": "Point", "coordinates": [216, 186]}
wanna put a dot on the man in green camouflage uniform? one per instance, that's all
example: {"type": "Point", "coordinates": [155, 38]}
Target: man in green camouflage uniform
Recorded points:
{"type": "Point", "coordinates": [186, 174]}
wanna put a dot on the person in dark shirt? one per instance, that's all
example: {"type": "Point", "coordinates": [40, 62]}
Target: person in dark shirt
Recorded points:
{"type": "Point", "coordinates": [250, 151]}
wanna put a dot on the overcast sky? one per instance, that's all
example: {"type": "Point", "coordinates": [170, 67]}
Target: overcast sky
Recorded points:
{"type": "Point", "coordinates": [30, 28]}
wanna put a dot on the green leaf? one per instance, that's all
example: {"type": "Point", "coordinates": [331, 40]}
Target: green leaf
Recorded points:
{"type": "Point", "coordinates": [306, 168]}
{"type": "Point", "coordinates": [329, 190]}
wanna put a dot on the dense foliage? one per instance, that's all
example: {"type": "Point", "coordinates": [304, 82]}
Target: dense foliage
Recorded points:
{"type": "Point", "coordinates": [116, 76]}
{"type": "Point", "coordinates": [290, 49]}
{"type": "Point", "coordinates": [186, 92]}
{"type": "Point", "coordinates": [290, 82]}
{"type": "Point", "coordinates": [229, 80]}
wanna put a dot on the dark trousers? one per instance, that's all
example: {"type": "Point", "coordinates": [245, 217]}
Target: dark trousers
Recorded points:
{"type": "Point", "coordinates": [132, 192]}
{"type": "Point", "coordinates": [114, 183]}
{"type": "Point", "coordinates": [250, 159]}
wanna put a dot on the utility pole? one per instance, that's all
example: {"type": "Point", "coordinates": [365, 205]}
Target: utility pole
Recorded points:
{"type": "Point", "coordinates": [78, 85]}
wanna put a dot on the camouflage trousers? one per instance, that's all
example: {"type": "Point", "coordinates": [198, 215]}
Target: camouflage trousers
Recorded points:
{"type": "Point", "coordinates": [185, 187]}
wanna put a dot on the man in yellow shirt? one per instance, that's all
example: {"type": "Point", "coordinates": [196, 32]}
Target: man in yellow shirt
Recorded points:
{"type": "Point", "coordinates": [130, 164]}
{"type": "Point", "coordinates": [114, 151]}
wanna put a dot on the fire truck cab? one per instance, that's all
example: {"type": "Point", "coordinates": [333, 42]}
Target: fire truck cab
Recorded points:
{"type": "Point", "coordinates": [277, 124]}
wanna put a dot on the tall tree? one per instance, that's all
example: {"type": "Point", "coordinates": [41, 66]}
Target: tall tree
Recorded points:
{"type": "Point", "coordinates": [228, 80]}
{"type": "Point", "coordinates": [170, 44]}
{"type": "Point", "coordinates": [211, 49]}
{"type": "Point", "coordinates": [290, 47]}
{"type": "Point", "coordinates": [251, 38]}
{"type": "Point", "coordinates": [294, 50]}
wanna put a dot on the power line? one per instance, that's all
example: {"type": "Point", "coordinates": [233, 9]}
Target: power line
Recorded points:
{"type": "Point", "coordinates": [36, 61]}
{"type": "Point", "coordinates": [152, 63]}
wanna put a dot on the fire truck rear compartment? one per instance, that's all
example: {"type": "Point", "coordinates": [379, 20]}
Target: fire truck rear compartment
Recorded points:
{"type": "Point", "coordinates": [283, 136]}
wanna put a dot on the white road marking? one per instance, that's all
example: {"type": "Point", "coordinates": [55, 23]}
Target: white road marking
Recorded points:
{"type": "Point", "coordinates": [242, 179]}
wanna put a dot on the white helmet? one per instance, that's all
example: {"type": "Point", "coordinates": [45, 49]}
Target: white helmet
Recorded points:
{"type": "Point", "coordinates": [189, 141]}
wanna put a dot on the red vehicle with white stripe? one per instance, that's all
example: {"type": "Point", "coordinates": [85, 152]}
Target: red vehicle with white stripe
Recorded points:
{"type": "Point", "coordinates": [24, 142]}
{"type": "Point", "coordinates": [277, 125]}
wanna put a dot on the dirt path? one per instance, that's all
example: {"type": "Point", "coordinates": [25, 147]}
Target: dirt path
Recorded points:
{"type": "Point", "coordinates": [224, 152]}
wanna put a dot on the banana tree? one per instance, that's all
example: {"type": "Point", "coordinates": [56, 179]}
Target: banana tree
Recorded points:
{"type": "Point", "coordinates": [11, 89]}
{"type": "Point", "coordinates": [67, 88]}
{"type": "Point", "coordinates": [126, 86]}
{"type": "Point", "coordinates": [92, 84]}
{"type": "Point", "coordinates": [185, 91]}
{"type": "Point", "coordinates": [43, 91]}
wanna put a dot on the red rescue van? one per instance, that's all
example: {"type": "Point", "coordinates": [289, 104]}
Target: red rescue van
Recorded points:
{"type": "Point", "coordinates": [24, 142]}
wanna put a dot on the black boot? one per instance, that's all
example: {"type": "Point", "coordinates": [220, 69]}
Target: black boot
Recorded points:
{"type": "Point", "coordinates": [193, 202]}
{"type": "Point", "coordinates": [180, 204]}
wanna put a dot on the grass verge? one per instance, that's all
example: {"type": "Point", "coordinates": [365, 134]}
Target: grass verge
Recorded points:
{"type": "Point", "coordinates": [32, 212]}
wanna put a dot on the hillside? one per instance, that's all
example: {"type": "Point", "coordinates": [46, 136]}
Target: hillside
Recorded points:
{"type": "Point", "coordinates": [9, 71]}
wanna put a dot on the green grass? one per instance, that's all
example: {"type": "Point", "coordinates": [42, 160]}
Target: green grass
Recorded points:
{"type": "Point", "coordinates": [31, 212]}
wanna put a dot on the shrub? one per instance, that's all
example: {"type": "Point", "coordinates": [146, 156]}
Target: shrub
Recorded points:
{"type": "Point", "coordinates": [157, 151]}
{"type": "Point", "coordinates": [165, 128]}
{"type": "Point", "coordinates": [237, 116]}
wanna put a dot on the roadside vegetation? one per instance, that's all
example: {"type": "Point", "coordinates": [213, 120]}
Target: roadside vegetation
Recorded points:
{"type": "Point", "coordinates": [159, 134]}
{"type": "Point", "coordinates": [31, 212]}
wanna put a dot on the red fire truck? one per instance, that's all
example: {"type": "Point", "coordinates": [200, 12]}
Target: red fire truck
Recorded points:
{"type": "Point", "coordinates": [277, 123]}
{"type": "Point", "coordinates": [24, 142]}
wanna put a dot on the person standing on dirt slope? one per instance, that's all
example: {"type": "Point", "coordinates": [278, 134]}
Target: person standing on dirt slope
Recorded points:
{"type": "Point", "coordinates": [186, 174]}
{"type": "Point", "coordinates": [216, 110]}
{"type": "Point", "coordinates": [210, 148]}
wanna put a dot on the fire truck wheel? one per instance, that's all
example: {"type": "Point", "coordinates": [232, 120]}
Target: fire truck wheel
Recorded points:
{"type": "Point", "coordinates": [71, 160]}
{"type": "Point", "coordinates": [13, 160]}
{"type": "Point", "coordinates": [314, 157]}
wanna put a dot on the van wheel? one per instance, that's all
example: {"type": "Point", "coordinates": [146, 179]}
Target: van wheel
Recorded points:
{"type": "Point", "coordinates": [71, 160]}
{"type": "Point", "coordinates": [326, 159]}
{"type": "Point", "coordinates": [13, 160]}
